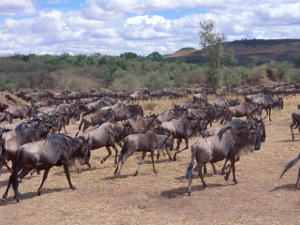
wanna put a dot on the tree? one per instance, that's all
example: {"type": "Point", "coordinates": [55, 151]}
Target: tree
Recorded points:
{"type": "Point", "coordinates": [129, 55]}
{"type": "Point", "coordinates": [229, 58]}
{"type": "Point", "coordinates": [155, 56]}
{"type": "Point", "coordinates": [212, 43]}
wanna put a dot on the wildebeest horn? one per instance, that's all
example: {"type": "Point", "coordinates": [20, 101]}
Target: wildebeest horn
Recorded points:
{"type": "Point", "coordinates": [223, 130]}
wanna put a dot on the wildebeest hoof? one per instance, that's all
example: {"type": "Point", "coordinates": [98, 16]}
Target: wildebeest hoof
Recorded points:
{"type": "Point", "coordinates": [136, 173]}
{"type": "Point", "coordinates": [235, 182]}
{"type": "Point", "coordinates": [73, 187]}
{"type": "Point", "coordinates": [189, 193]}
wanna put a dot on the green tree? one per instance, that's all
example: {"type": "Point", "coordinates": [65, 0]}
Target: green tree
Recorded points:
{"type": "Point", "coordinates": [155, 56]}
{"type": "Point", "coordinates": [229, 58]}
{"type": "Point", "coordinates": [129, 55]}
{"type": "Point", "coordinates": [212, 43]}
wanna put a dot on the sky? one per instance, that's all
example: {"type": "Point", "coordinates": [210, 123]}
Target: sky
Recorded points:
{"type": "Point", "coordinates": [141, 26]}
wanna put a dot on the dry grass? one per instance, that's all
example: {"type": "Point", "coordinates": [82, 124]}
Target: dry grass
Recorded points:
{"type": "Point", "coordinates": [259, 198]}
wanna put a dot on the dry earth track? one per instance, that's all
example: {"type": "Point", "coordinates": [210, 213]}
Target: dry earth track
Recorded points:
{"type": "Point", "coordinates": [259, 198]}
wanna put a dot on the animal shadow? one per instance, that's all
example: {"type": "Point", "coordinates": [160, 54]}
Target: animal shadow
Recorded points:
{"type": "Point", "coordinates": [117, 177]}
{"type": "Point", "coordinates": [287, 141]}
{"type": "Point", "coordinates": [285, 187]}
{"type": "Point", "coordinates": [30, 195]}
{"type": "Point", "coordinates": [182, 191]}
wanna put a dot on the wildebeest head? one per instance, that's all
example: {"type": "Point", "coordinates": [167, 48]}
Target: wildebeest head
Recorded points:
{"type": "Point", "coordinates": [280, 103]}
{"type": "Point", "coordinates": [121, 130]}
{"type": "Point", "coordinates": [135, 110]}
{"type": "Point", "coordinates": [83, 150]}
{"type": "Point", "coordinates": [246, 133]}
{"type": "Point", "coordinates": [257, 132]}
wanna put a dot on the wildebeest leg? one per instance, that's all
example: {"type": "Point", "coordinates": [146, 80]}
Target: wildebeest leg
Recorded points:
{"type": "Point", "coordinates": [224, 166]}
{"type": "Point", "coordinates": [43, 181]}
{"type": "Point", "coordinates": [15, 184]}
{"type": "Point", "coordinates": [7, 166]}
{"type": "Point", "coordinates": [116, 153]}
{"type": "Point", "coordinates": [169, 154]}
{"type": "Point", "coordinates": [140, 163]}
{"type": "Point", "coordinates": [186, 143]}
{"type": "Point", "coordinates": [108, 155]}
{"type": "Point", "coordinates": [200, 167]}
{"type": "Point", "coordinates": [23, 173]}
{"type": "Point", "coordinates": [177, 148]}
{"type": "Point", "coordinates": [153, 163]}
{"type": "Point", "coordinates": [233, 170]}
{"type": "Point", "coordinates": [157, 156]}
{"type": "Point", "coordinates": [186, 147]}
{"type": "Point", "coordinates": [298, 180]}
{"type": "Point", "coordinates": [270, 111]}
{"type": "Point", "coordinates": [292, 132]}
{"type": "Point", "coordinates": [214, 168]}
{"type": "Point", "coordinates": [205, 169]}
{"type": "Point", "coordinates": [79, 128]}
{"type": "Point", "coordinates": [4, 196]}
{"type": "Point", "coordinates": [178, 144]}
{"type": "Point", "coordinates": [67, 172]}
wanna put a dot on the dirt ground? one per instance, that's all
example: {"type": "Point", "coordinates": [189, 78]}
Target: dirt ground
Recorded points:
{"type": "Point", "coordinates": [260, 197]}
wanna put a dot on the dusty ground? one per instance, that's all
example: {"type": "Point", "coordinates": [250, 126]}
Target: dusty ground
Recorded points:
{"type": "Point", "coordinates": [259, 198]}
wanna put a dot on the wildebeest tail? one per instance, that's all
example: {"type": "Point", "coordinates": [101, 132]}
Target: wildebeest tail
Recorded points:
{"type": "Point", "coordinates": [290, 164]}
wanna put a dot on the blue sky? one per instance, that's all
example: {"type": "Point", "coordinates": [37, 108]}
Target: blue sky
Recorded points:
{"type": "Point", "coordinates": [142, 26]}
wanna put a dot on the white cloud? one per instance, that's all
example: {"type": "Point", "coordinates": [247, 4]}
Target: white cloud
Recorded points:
{"type": "Point", "coordinates": [115, 26]}
{"type": "Point", "coordinates": [13, 7]}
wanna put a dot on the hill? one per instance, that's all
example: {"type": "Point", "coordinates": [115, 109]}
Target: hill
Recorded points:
{"type": "Point", "coordinates": [249, 52]}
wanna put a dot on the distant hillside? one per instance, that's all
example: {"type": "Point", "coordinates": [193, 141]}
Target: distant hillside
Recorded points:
{"type": "Point", "coordinates": [256, 51]}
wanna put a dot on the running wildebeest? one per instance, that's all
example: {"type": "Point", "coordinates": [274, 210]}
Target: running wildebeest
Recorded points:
{"type": "Point", "coordinates": [56, 150]}
{"type": "Point", "coordinates": [26, 132]}
{"type": "Point", "coordinates": [226, 144]}
{"type": "Point", "coordinates": [182, 129]}
{"type": "Point", "coordinates": [107, 135]}
{"type": "Point", "coordinates": [143, 142]}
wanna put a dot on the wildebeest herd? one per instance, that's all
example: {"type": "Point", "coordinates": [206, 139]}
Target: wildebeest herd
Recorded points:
{"type": "Point", "coordinates": [38, 139]}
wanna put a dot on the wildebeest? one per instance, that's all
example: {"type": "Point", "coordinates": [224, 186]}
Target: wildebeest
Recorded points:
{"type": "Point", "coordinates": [245, 109]}
{"type": "Point", "coordinates": [227, 144]}
{"type": "Point", "coordinates": [117, 112]}
{"type": "Point", "coordinates": [56, 150]}
{"type": "Point", "coordinates": [107, 135]}
{"type": "Point", "coordinates": [20, 112]}
{"type": "Point", "coordinates": [267, 102]}
{"type": "Point", "coordinates": [97, 118]}
{"type": "Point", "coordinates": [172, 113]}
{"type": "Point", "coordinates": [143, 142]}
{"type": "Point", "coordinates": [295, 122]}
{"type": "Point", "coordinates": [182, 129]}
{"type": "Point", "coordinates": [142, 124]}
{"type": "Point", "coordinates": [289, 165]}
{"type": "Point", "coordinates": [26, 132]}
{"type": "Point", "coordinates": [2, 148]}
